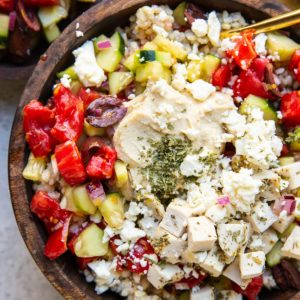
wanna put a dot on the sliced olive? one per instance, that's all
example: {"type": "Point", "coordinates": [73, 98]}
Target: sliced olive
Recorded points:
{"type": "Point", "coordinates": [193, 12]}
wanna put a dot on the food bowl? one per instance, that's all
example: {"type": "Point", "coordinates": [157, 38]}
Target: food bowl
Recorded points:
{"type": "Point", "coordinates": [102, 18]}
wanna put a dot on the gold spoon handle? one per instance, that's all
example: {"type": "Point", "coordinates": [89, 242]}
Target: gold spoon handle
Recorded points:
{"type": "Point", "coordinates": [275, 23]}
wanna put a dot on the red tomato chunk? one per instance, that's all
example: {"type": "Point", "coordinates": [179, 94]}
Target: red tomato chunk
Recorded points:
{"type": "Point", "coordinates": [253, 289]}
{"type": "Point", "coordinates": [290, 108]}
{"type": "Point", "coordinates": [69, 163]}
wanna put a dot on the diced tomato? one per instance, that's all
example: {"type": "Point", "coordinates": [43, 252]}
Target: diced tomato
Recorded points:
{"type": "Point", "coordinates": [88, 96]}
{"type": "Point", "coordinates": [101, 165]}
{"type": "Point", "coordinates": [253, 289]}
{"type": "Point", "coordinates": [48, 210]}
{"type": "Point", "coordinates": [69, 163]}
{"type": "Point", "coordinates": [248, 83]}
{"type": "Point", "coordinates": [69, 115]}
{"type": "Point", "coordinates": [258, 66]}
{"type": "Point", "coordinates": [285, 150]}
{"type": "Point", "coordinates": [131, 259]}
{"type": "Point", "coordinates": [57, 242]}
{"type": "Point", "coordinates": [290, 108]}
{"type": "Point", "coordinates": [294, 65]}
{"type": "Point", "coordinates": [222, 76]}
{"type": "Point", "coordinates": [244, 51]}
{"type": "Point", "coordinates": [84, 261]}
{"type": "Point", "coordinates": [7, 5]}
{"type": "Point", "coordinates": [40, 3]}
{"type": "Point", "coordinates": [38, 121]}
{"type": "Point", "coordinates": [192, 281]}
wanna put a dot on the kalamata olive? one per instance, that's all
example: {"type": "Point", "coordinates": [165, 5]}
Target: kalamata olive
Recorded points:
{"type": "Point", "coordinates": [193, 12]}
{"type": "Point", "coordinates": [28, 16]}
{"type": "Point", "coordinates": [105, 111]}
{"type": "Point", "coordinates": [291, 273]}
{"type": "Point", "coordinates": [90, 147]}
{"type": "Point", "coordinates": [279, 278]}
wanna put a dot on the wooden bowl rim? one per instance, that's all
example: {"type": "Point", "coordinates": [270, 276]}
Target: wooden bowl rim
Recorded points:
{"type": "Point", "coordinates": [27, 224]}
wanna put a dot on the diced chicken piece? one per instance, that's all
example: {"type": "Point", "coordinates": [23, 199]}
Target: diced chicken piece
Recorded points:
{"type": "Point", "coordinates": [269, 239]}
{"type": "Point", "coordinates": [252, 264]}
{"type": "Point", "coordinates": [201, 234]}
{"type": "Point", "coordinates": [291, 247]}
{"type": "Point", "coordinates": [229, 295]}
{"type": "Point", "coordinates": [214, 262]}
{"type": "Point", "coordinates": [231, 237]}
{"type": "Point", "coordinates": [248, 234]}
{"type": "Point", "coordinates": [205, 293]}
{"type": "Point", "coordinates": [262, 217]}
{"type": "Point", "coordinates": [233, 273]}
{"type": "Point", "coordinates": [159, 276]}
{"type": "Point", "coordinates": [271, 188]}
{"type": "Point", "coordinates": [284, 221]}
{"type": "Point", "coordinates": [176, 217]}
{"type": "Point", "coordinates": [194, 257]}
{"type": "Point", "coordinates": [167, 245]}
{"type": "Point", "coordinates": [292, 173]}
{"type": "Point", "coordinates": [216, 213]}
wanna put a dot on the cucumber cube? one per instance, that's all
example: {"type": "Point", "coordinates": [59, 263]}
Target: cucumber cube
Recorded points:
{"type": "Point", "coordinates": [69, 71]}
{"type": "Point", "coordinates": [118, 81]}
{"type": "Point", "coordinates": [4, 30]}
{"type": "Point", "coordinates": [210, 65]}
{"type": "Point", "coordinates": [34, 168]}
{"type": "Point", "coordinates": [83, 201]}
{"type": "Point", "coordinates": [274, 256]}
{"type": "Point", "coordinates": [52, 32]}
{"type": "Point", "coordinates": [90, 243]}
{"type": "Point", "coordinates": [121, 173]}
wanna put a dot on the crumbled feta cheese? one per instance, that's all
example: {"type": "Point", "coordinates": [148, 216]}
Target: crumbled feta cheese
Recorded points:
{"type": "Point", "coordinates": [179, 77]}
{"type": "Point", "coordinates": [79, 33]}
{"type": "Point", "coordinates": [192, 166]}
{"type": "Point", "coordinates": [149, 225]}
{"type": "Point", "coordinates": [176, 217]}
{"type": "Point", "coordinates": [291, 172]}
{"type": "Point", "coordinates": [130, 233]}
{"type": "Point", "coordinates": [200, 27]}
{"type": "Point", "coordinates": [234, 122]}
{"type": "Point", "coordinates": [200, 89]}
{"type": "Point", "coordinates": [201, 234]}
{"type": "Point", "coordinates": [194, 257]}
{"type": "Point", "coordinates": [66, 81]}
{"type": "Point", "coordinates": [252, 264]}
{"type": "Point", "coordinates": [214, 28]}
{"type": "Point", "coordinates": [204, 293]}
{"type": "Point", "coordinates": [262, 217]}
{"type": "Point", "coordinates": [159, 276]}
{"type": "Point", "coordinates": [260, 43]}
{"type": "Point", "coordinates": [241, 188]}
{"type": "Point", "coordinates": [227, 44]}
{"type": "Point", "coordinates": [291, 247]}
{"type": "Point", "coordinates": [86, 67]}
{"type": "Point", "coordinates": [216, 213]}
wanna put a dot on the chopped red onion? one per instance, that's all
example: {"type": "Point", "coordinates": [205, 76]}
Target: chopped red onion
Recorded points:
{"type": "Point", "coordinates": [287, 203]}
{"type": "Point", "coordinates": [12, 20]}
{"type": "Point", "coordinates": [95, 190]}
{"type": "Point", "coordinates": [223, 200]}
{"type": "Point", "coordinates": [104, 44]}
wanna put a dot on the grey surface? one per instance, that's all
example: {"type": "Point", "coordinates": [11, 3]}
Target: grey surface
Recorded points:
{"type": "Point", "coordinates": [20, 278]}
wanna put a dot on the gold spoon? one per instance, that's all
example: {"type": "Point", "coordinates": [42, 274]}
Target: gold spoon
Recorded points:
{"type": "Point", "coordinates": [271, 24]}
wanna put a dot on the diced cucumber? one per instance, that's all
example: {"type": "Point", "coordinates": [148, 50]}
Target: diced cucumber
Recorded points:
{"type": "Point", "coordinates": [83, 201]}
{"type": "Point", "coordinates": [295, 140]}
{"type": "Point", "coordinates": [288, 231]}
{"type": "Point", "coordinates": [121, 173]}
{"type": "Point", "coordinates": [274, 256]}
{"type": "Point", "coordinates": [179, 14]}
{"type": "Point", "coordinates": [279, 44]}
{"type": "Point", "coordinates": [210, 65]}
{"type": "Point", "coordinates": [112, 210]}
{"type": "Point", "coordinates": [91, 130]}
{"type": "Point", "coordinates": [76, 85]}
{"type": "Point", "coordinates": [147, 55]}
{"type": "Point", "coordinates": [253, 101]}
{"type": "Point", "coordinates": [286, 160]}
{"type": "Point", "coordinates": [51, 15]}
{"type": "Point", "coordinates": [166, 45]}
{"type": "Point", "coordinates": [152, 71]}
{"type": "Point", "coordinates": [4, 30]}
{"type": "Point", "coordinates": [139, 88]}
{"type": "Point", "coordinates": [150, 46]}
{"type": "Point", "coordinates": [132, 61]}
{"type": "Point", "coordinates": [70, 205]}
{"type": "Point", "coordinates": [118, 81]}
{"type": "Point", "coordinates": [69, 71]}
{"type": "Point", "coordinates": [109, 59]}
{"type": "Point", "coordinates": [90, 243]}
{"type": "Point", "coordinates": [100, 38]}
{"type": "Point", "coordinates": [194, 70]}
{"type": "Point", "coordinates": [52, 32]}
{"type": "Point", "coordinates": [34, 168]}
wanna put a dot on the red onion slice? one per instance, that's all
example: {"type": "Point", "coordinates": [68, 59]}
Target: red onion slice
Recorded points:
{"type": "Point", "coordinates": [96, 192]}
{"type": "Point", "coordinates": [223, 200]}
{"type": "Point", "coordinates": [104, 44]}
{"type": "Point", "coordinates": [287, 203]}
{"type": "Point", "coordinates": [12, 20]}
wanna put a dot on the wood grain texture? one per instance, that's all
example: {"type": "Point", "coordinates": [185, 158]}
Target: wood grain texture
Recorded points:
{"type": "Point", "coordinates": [104, 17]}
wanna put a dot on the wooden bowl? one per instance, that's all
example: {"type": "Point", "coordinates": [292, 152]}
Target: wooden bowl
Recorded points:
{"type": "Point", "coordinates": [102, 18]}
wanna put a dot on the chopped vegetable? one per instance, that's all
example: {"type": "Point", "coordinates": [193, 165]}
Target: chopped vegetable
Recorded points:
{"type": "Point", "coordinates": [118, 81]}
{"type": "Point", "coordinates": [179, 14]}
{"type": "Point", "coordinates": [121, 173]}
{"type": "Point", "coordinates": [290, 108]}
{"type": "Point", "coordinates": [274, 256]}
{"type": "Point", "coordinates": [221, 76]}
{"type": "Point", "coordinates": [70, 72]}
{"type": "Point", "coordinates": [96, 192]}
{"type": "Point", "coordinates": [93, 131]}
{"type": "Point", "coordinates": [34, 168]}
{"type": "Point", "coordinates": [253, 289]}
{"type": "Point", "coordinates": [82, 200]}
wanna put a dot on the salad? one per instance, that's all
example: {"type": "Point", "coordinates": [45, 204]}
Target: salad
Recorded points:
{"type": "Point", "coordinates": [166, 161]}
{"type": "Point", "coordinates": [25, 24]}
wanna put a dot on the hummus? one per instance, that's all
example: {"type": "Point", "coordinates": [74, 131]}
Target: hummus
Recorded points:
{"type": "Point", "coordinates": [161, 110]}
